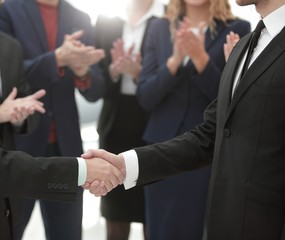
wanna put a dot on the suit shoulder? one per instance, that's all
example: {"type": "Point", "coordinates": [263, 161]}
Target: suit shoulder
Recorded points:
{"type": "Point", "coordinates": [159, 25]}
{"type": "Point", "coordinates": [239, 26]}
{"type": "Point", "coordinates": [238, 22]}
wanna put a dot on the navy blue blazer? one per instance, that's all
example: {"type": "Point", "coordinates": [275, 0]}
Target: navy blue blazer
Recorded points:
{"type": "Point", "coordinates": [22, 20]}
{"type": "Point", "coordinates": [177, 102]}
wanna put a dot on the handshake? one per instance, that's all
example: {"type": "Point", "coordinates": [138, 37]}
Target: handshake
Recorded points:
{"type": "Point", "coordinates": [105, 171]}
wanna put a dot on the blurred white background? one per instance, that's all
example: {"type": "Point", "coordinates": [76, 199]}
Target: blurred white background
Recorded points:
{"type": "Point", "coordinates": [93, 223]}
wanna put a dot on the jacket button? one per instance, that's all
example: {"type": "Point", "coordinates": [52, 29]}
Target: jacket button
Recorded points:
{"type": "Point", "coordinates": [227, 132]}
{"type": "Point", "coordinates": [7, 213]}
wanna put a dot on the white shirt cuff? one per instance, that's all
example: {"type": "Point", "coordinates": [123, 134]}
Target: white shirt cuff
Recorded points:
{"type": "Point", "coordinates": [82, 171]}
{"type": "Point", "coordinates": [132, 168]}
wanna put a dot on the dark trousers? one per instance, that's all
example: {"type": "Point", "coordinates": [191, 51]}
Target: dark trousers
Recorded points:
{"type": "Point", "coordinates": [62, 221]}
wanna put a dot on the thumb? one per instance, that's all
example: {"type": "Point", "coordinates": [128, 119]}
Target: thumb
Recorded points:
{"type": "Point", "coordinates": [12, 94]}
{"type": "Point", "coordinates": [76, 35]}
{"type": "Point", "coordinates": [89, 154]}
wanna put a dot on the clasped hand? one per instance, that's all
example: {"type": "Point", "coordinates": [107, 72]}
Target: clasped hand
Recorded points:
{"type": "Point", "coordinates": [105, 171]}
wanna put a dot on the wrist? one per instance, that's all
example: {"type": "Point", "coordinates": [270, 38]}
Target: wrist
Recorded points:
{"type": "Point", "coordinates": [172, 65]}
{"type": "Point", "coordinates": [123, 168]}
{"type": "Point", "coordinates": [59, 58]}
{"type": "Point", "coordinates": [82, 74]}
{"type": "Point", "coordinates": [201, 62]}
{"type": "Point", "coordinates": [136, 73]}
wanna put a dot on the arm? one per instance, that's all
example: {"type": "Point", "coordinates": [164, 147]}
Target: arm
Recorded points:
{"type": "Point", "coordinates": [16, 110]}
{"type": "Point", "coordinates": [53, 178]}
{"type": "Point", "coordinates": [187, 152]}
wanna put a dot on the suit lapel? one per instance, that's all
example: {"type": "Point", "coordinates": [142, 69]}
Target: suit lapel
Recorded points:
{"type": "Point", "coordinates": [228, 76]}
{"type": "Point", "coordinates": [274, 49]}
{"type": "Point", "coordinates": [209, 39]}
{"type": "Point", "coordinates": [34, 15]}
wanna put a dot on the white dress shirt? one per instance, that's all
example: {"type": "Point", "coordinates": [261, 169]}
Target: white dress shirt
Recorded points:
{"type": "Point", "coordinates": [273, 26]}
{"type": "Point", "coordinates": [82, 171]}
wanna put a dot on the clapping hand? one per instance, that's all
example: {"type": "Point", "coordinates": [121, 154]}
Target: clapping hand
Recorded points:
{"type": "Point", "coordinates": [76, 55]}
{"type": "Point", "coordinates": [193, 43]}
{"type": "Point", "coordinates": [231, 40]}
{"type": "Point", "coordinates": [124, 62]}
{"type": "Point", "coordinates": [16, 110]}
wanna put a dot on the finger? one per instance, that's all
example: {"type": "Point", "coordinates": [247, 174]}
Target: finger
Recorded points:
{"type": "Point", "coordinates": [130, 50]}
{"type": "Point", "coordinates": [90, 153]}
{"type": "Point", "coordinates": [37, 108]}
{"type": "Point", "coordinates": [86, 185]}
{"type": "Point", "coordinates": [103, 192]}
{"type": "Point", "coordinates": [108, 184]}
{"type": "Point", "coordinates": [12, 94]}
{"type": "Point", "coordinates": [138, 57]}
{"type": "Point", "coordinates": [116, 178]}
{"type": "Point", "coordinates": [76, 35]}
{"type": "Point", "coordinates": [100, 190]}
{"type": "Point", "coordinates": [38, 94]}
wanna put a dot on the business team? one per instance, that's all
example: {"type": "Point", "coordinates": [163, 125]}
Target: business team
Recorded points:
{"type": "Point", "coordinates": [242, 135]}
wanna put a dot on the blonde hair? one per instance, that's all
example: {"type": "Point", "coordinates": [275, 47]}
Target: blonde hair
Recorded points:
{"type": "Point", "coordinates": [219, 9]}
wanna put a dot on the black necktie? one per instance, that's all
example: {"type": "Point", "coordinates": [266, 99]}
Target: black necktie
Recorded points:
{"type": "Point", "coordinates": [252, 44]}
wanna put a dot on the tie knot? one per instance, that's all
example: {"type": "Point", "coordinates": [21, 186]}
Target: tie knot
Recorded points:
{"type": "Point", "coordinates": [259, 27]}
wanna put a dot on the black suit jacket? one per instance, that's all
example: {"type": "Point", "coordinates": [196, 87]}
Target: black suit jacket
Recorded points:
{"type": "Point", "coordinates": [11, 66]}
{"type": "Point", "coordinates": [20, 174]}
{"type": "Point", "coordinates": [11, 71]}
{"type": "Point", "coordinates": [244, 136]}
{"type": "Point", "coordinates": [23, 176]}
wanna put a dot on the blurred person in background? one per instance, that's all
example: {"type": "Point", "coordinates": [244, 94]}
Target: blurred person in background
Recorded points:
{"type": "Point", "coordinates": [59, 56]}
{"type": "Point", "coordinates": [122, 120]}
{"type": "Point", "coordinates": [17, 110]}
{"type": "Point", "coordinates": [182, 66]}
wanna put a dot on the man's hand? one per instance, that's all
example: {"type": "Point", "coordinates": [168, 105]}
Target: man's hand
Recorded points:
{"type": "Point", "coordinates": [77, 56]}
{"type": "Point", "coordinates": [102, 185]}
{"type": "Point", "coordinates": [105, 175]}
{"type": "Point", "coordinates": [16, 110]}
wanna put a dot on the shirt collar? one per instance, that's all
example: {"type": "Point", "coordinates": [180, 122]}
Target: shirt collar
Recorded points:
{"type": "Point", "coordinates": [272, 21]}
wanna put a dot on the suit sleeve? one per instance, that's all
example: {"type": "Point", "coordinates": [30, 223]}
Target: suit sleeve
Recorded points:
{"type": "Point", "coordinates": [186, 152]}
{"type": "Point", "coordinates": [42, 178]}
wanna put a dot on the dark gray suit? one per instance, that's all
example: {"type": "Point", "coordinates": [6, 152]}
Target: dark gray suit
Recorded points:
{"type": "Point", "coordinates": [20, 174]}
{"type": "Point", "coordinates": [245, 137]}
